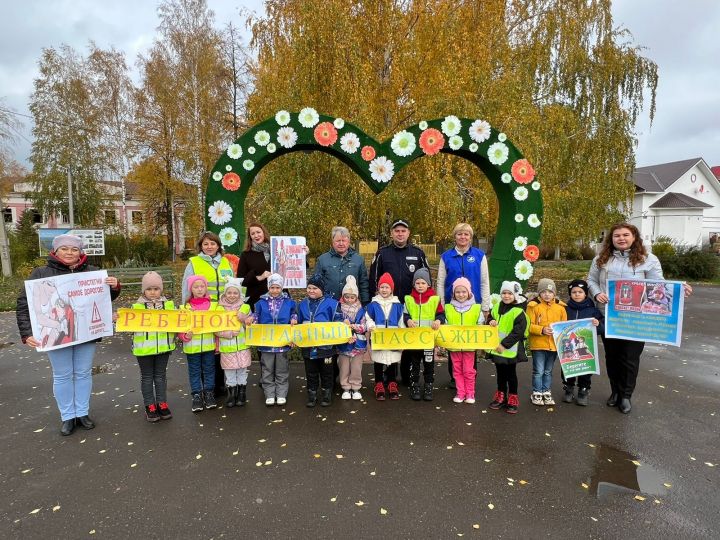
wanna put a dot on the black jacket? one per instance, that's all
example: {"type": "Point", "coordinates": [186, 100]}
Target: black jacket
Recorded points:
{"type": "Point", "coordinates": [53, 268]}
{"type": "Point", "coordinates": [401, 264]}
{"type": "Point", "coordinates": [585, 310]}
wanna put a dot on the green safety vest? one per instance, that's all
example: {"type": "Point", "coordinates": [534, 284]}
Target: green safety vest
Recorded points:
{"type": "Point", "coordinates": [214, 276]}
{"type": "Point", "coordinates": [201, 342]}
{"type": "Point", "coordinates": [467, 318]}
{"type": "Point", "coordinates": [149, 343]}
{"type": "Point", "coordinates": [237, 343]}
{"type": "Point", "coordinates": [505, 326]}
{"type": "Point", "coordinates": [423, 314]}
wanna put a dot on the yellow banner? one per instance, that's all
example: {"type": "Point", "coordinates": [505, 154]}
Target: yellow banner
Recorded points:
{"type": "Point", "coordinates": [458, 338]}
{"type": "Point", "coordinates": [302, 335]}
{"type": "Point", "coordinates": [181, 320]}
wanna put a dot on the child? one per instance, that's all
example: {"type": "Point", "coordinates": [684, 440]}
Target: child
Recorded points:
{"type": "Point", "coordinates": [275, 307]}
{"type": "Point", "coordinates": [318, 360]}
{"type": "Point", "coordinates": [234, 354]}
{"type": "Point", "coordinates": [422, 308]}
{"type": "Point", "coordinates": [542, 312]}
{"type": "Point", "coordinates": [350, 357]}
{"type": "Point", "coordinates": [200, 348]}
{"type": "Point", "coordinates": [385, 311]}
{"type": "Point", "coordinates": [580, 306]}
{"type": "Point", "coordinates": [152, 350]}
{"type": "Point", "coordinates": [510, 318]}
{"type": "Point", "coordinates": [463, 311]}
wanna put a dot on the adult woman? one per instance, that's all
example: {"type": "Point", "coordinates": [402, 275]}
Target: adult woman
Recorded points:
{"type": "Point", "coordinates": [72, 365]}
{"type": "Point", "coordinates": [210, 263]}
{"type": "Point", "coordinates": [623, 255]}
{"type": "Point", "coordinates": [254, 266]}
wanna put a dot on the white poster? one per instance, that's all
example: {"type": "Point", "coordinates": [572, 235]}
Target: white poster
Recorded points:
{"type": "Point", "coordinates": [287, 258]}
{"type": "Point", "coordinates": [69, 309]}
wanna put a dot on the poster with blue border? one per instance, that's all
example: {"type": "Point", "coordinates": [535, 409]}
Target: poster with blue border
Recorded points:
{"type": "Point", "coordinates": [645, 310]}
{"type": "Point", "coordinates": [576, 343]}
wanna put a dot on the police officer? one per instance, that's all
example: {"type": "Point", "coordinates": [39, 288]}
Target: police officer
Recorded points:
{"type": "Point", "coordinates": [400, 259]}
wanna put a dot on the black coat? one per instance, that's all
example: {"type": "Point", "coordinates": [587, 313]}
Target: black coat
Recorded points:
{"type": "Point", "coordinates": [401, 264]}
{"type": "Point", "coordinates": [585, 310]}
{"type": "Point", "coordinates": [252, 264]}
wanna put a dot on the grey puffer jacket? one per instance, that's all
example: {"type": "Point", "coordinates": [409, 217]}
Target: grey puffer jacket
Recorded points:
{"type": "Point", "coordinates": [618, 267]}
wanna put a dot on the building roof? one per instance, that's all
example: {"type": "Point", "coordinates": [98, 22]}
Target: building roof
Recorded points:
{"type": "Point", "coordinates": [716, 171]}
{"type": "Point", "coordinates": [678, 200]}
{"type": "Point", "coordinates": [657, 178]}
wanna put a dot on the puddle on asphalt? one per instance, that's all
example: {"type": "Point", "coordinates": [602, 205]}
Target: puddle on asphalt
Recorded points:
{"type": "Point", "coordinates": [615, 472]}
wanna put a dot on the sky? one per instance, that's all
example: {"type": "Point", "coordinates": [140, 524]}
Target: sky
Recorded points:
{"type": "Point", "coordinates": [679, 36]}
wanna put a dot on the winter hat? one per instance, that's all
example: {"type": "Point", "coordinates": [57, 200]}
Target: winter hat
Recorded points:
{"type": "Point", "coordinates": [546, 284]}
{"type": "Point", "coordinates": [424, 274]}
{"type": "Point", "coordinates": [67, 240]}
{"type": "Point", "coordinates": [275, 279]}
{"type": "Point", "coordinates": [235, 283]}
{"type": "Point", "coordinates": [193, 279]}
{"type": "Point", "coordinates": [462, 282]}
{"type": "Point", "coordinates": [580, 283]}
{"type": "Point", "coordinates": [151, 279]}
{"type": "Point", "coordinates": [350, 286]}
{"type": "Point", "coordinates": [317, 281]}
{"type": "Point", "coordinates": [513, 287]}
{"type": "Point", "coordinates": [387, 279]}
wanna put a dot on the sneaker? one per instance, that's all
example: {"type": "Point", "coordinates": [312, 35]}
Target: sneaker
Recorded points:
{"type": "Point", "coordinates": [210, 402]}
{"type": "Point", "coordinates": [270, 401]}
{"type": "Point", "coordinates": [197, 402]}
{"type": "Point", "coordinates": [512, 404]}
{"type": "Point", "coordinates": [458, 399]}
{"type": "Point", "coordinates": [415, 393]}
{"type": "Point", "coordinates": [393, 390]}
{"type": "Point", "coordinates": [470, 400]}
{"type": "Point", "coordinates": [548, 399]}
{"type": "Point", "coordinates": [380, 391]}
{"type": "Point", "coordinates": [428, 392]}
{"type": "Point", "coordinates": [537, 398]}
{"type": "Point", "coordinates": [582, 397]}
{"type": "Point", "coordinates": [569, 394]}
{"type": "Point", "coordinates": [164, 411]}
{"type": "Point", "coordinates": [281, 401]}
{"type": "Point", "coordinates": [356, 395]}
{"type": "Point", "coordinates": [346, 395]}
{"type": "Point", "coordinates": [151, 413]}
{"type": "Point", "coordinates": [498, 400]}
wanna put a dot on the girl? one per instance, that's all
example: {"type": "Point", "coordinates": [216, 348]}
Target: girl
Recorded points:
{"type": "Point", "coordinates": [510, 318]}
{"type": "Point", "coordinates": [152, 350]}
{"type": "Point", "coordinates": [462, 311]}
{"type": "Point", "coordinates": [234, 354]}
{"type": "Point", "coordinates": [350, 355]}
{"type": "Point", "coordinates": [385, 311]}
{"type": "Point", "coordinates": [275, 307]}
{"type": "Point", "coordinates": [200, 349]}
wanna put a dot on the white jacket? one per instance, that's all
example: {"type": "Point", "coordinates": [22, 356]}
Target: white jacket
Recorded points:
{"type": "Point", "coordinates": [618, 267]}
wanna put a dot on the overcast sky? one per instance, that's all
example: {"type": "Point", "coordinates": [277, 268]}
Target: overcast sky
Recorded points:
{"type": "Point", "coordinates": [680, 36]}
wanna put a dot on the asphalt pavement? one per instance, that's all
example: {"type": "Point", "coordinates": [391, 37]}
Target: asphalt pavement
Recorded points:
{"type": "Point", "coordinates": [367, 469]}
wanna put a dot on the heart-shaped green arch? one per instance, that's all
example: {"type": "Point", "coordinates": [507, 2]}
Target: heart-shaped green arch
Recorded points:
{"type": "Point", "coordinates": [512, 177]}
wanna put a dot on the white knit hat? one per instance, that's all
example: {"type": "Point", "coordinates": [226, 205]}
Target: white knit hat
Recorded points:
{"type": "Point", "coordinates": [515, 288]}
{"type": "Point", "coordinates": [350, 286]}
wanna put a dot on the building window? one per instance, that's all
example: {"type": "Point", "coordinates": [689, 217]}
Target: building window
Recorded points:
{"type": "Point", "coordinates": [64, 218]}
{"type": "Point", "coordinates": [110, 217]}
{"type": "Point", "coordinates": [137, 217]}
{"type": "Point", "coordinates": [7, 215]}
{"type": "Point", "coordinates": [37, 216]}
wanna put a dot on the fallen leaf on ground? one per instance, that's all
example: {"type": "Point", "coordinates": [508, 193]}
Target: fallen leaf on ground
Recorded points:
{"type": "Point", "coordinates": [667, 485]}
{"type": "Point", "coordinates": [133, 465]}
{"type": "Point", "coordinates": [341, 421]}
{"type": "Point", "coordinates": [522, 482]}
{"type": "Point", "coordinates": [476, 525]}
{"type": "Point", "coordinates": [268, 462]}
{"type": "Point", "coordinates": [56, 508]}
{"type": "Point", "coordinates": [25, 471]}
{"type": "Point", "coordinates": [383, 511]}
{"type": "Point", "coordinates": [635, 462]}
{"type": "Point", "coordinates": [590, 445]}
{"type": "Point", "coordinates": [639, 498]}
{"type": "Point", "coordinates": [585, 485]}
{"type": "Point", "coordinates": [38, 430]}
{"type": "Point", "coordinates": [359, 503]}
{"type": "Point", "coordinates": [709, 464]}
{"type": "Point", "coordinates": [199, 456]}
{"type": "Point", "coordinates": [333, 499]}
{"type": "Point", "coordinates": [258, 464]}
{"type": "Point", "coordinates": [35, 511]}
{"type": "Point", "coordinates": [317, 456]}
{"type": "Point", "coordinates": [262, 440]}
{"type": "Point", "coordinates": [235, 453]}
{"type": "Point", "coordinates": [339, 456]}
{"type": "Point", "coordinates": [491, 506]}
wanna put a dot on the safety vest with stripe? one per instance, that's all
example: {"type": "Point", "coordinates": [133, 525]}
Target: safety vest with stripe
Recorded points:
{"type": "Point", "coordinates": [201, 342]}
{"type": "Point", "coordinates": [215, 276]}
{"type": "Point", "coordinates": [423, 314]}
{"type": "Point", "coordinates": [466, 318]}
{"type": "Point", "coordinates": [236, 343]}
{"type": "Point", "coordinates": [506, 321]}
{"type": "Point", "coordinates": [149, 343]}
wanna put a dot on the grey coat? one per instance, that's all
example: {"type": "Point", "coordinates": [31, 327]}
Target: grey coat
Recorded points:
{"type": "Point", "coordinates": [618, 267]}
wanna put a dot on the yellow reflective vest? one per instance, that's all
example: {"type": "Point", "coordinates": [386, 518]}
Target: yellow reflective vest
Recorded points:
{"type": "Point", "coordinates": [149, 343]}
{"type": "Point", "coordinates": [201, 342]}
{"type": "Point", "coordinates": [236, 343]}
{"type": "Point", "coordinates": [506, 321]}
{"type": "Point", "coordinates": [214, 276]}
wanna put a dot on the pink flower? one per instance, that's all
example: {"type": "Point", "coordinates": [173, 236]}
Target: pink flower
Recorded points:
{"type": "Point", "coordinates": [431, 141]}
{"type": "Point", "coordinates": [367, 153]}
{"type": "Point", "coordinates": [522, 171]}
{"type": "Point", "coordinates": [231, 181]}
{"type": "Point", "coordinates": [531, 253]}
{"type": "Point", "coordinates": [325, 133]}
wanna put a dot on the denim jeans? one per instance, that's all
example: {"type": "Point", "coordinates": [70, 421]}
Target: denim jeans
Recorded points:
{"type": "Point", "coordinates": [153, 377]}
{"type": "Point", "coordinates": [543, 362]}
{"type": "Point", "coordinates": [72, 379]}
{"type": "Point", "coordinates": [201, 367]}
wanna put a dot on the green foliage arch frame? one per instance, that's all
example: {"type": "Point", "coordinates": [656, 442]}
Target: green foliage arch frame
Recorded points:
{"type": "Point", "coordinates": [377, 163]}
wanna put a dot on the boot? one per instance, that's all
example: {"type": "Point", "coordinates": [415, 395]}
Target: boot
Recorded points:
{"type": "Point", "coordinates": [210, 402]}
{"type": "Point", "coordinates": [68, 426]}
{"type": "Point", "coordinates": [428, 392]}
{"type": "Point", "coordinates": [415, 392]}
{"type": "Point", "coordinates": [582, 397]}
{"type": "Point", "coordinates": [231, 400]}
{"type": "Point", "coordinates": [569, 394]}
{"type": "Point", "coordinates": [326, 397]}
{"type": "Point", "coordinates": [241, 395]}
{"type": "Point", "coordinates": [625, 406]}
{"type": "Point", "coordinates": [312, 398]}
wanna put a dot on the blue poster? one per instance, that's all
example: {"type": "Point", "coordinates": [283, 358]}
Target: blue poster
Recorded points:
{"type": "Point", "coordinates": [645, 310]}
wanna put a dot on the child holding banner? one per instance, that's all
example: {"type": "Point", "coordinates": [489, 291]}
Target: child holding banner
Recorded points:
{"type": "Point", "coordinates": [385, 311]}
{"type": "Point", "coordinates": [510, 318]}
{"type": "Point", "coordinates": [152, 350]}
{"type": "Point", "coordinates": [200, 348]}
{"type": "Point", "coordinates": [234, 354]}
{"type": "Point", "coordinates": [350, 355]}
{"type": "Point", "coordinates": [275, 307]}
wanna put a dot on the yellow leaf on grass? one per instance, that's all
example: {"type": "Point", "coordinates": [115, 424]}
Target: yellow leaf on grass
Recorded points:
{"type": "Point", "coordinates": [639, 498]}
{"type": "Point", "coordinates": [383, 511]}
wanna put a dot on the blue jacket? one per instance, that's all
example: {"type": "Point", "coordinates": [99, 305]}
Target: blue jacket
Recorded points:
{"type": "Point", "coordinates": [377, 314]}
{"type": "Point", "coordinates": [334, 269]}
{"type": "Point", "coordinates": [361, 342]}
{"type": "Point", "coordinates": [327, 310]}
{"type": "Point", "coordinates": [585, 310]}
{"type": "Point", "coordinates": [263, 316]}
{"type": "Point", "coordinates": [466, 265]}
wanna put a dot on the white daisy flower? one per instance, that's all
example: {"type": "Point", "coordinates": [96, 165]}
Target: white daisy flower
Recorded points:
{"type": "Point", "coordinates": [382, 169]}
{"type": "Point", "coordinates": [498, 153]}
{"type": "Point", "coordinates": [339, 123]}
{"type": "Point", "coordinates": [451, 125]}
{"type": "Point", "coordinates": [220, 212]}
{"type": "Point", "coordinates": [234, 151]}
{"type": "Point", "coordinates": [506, 178]}
{"type": "Point", "coordinates": [228, 236]}
{"type": "Point", "coordinates": [350, 143]}
{"type": "Point", "coordinates": [495, 299]}
{"type": "Point", "coordinates": [308, 117]}
{"type": "Point", "coordinates": [523, 270]}
{"type": "Point", "coordinates": [473, 147]}
{"type": "Point", "coordinates": [217, 176]}
{"type": "Point", "coordinates": [262, 137]}
{"type": "Point", "coordinates": [423, 125]}
{"type": "Point", "coordinates": [248, 165]}
{"type": "Point", "coordinates": [533, 221]}
{"type": "Point", "coordinates": [455, 142]}
{"type": "Point", "coordinates": [535, 185]}
{"type": "Point", "coordinates": [502, 137]}
{"type": "Point", "coordinates": [228, 168]}
{"type": "Point", "coordinates": [282, 118]}
{"type": "Point", "coordinates": [480, 131]}
{"type": "Point", "coordinates": [520, 243]}
{"type": "Point", "coordinates": [403, 143]}
{"type": "Point", "coordinates": [287, 137]}
{"type": "Point", "coordinates": [251, 150]}
{"type": "Point", "coordinates": [519, 218]}
{"type": "Point", "coordinates": [521, 193]}
{"type": "Point", "coordinates": [271, 148]}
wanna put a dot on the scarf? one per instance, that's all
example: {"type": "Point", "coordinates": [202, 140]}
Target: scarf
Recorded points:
{"type": "Point", "coordinates": [199, 304]}
{"type": "Point", "coordinates": [350, 310]}
{"type": "Point", "coordinates": [228, 306]}
{"type": "Point", "coordinates": [264, 248]}
{"type": "Point", "coordinates": [462, 307]}
{"type": "Point", "coordinates": [152, 304]}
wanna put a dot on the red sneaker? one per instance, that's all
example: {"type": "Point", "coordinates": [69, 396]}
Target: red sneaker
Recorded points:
{"type": "Point", "coordinates": [393, 390]}
{"type": "Point", "coordinates": [151, 413]}
{"type": "Point", "coordinates": [380, 391]}
{"type": "Point", "coordinates": [164, 410]}
{"type": "Point", "coordinates": [498, 400]}
{"type": "Point", "coordinates": [512, 404]}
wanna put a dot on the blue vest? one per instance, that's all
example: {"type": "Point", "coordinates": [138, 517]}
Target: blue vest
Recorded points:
{"type": "Point", "coordinates": [376, 313]}
{"type": "Point", "coordinates": [361, 342]}
{"type": "Point", "coordinates": [325, 312]}
{"type": "Point", "coordinates": [263, 315]}
{"type": "Point", "coordinates": [467, 266]}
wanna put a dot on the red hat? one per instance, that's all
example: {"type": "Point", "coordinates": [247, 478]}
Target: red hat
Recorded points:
{"type": "Point", "coordinates": [386, 278]}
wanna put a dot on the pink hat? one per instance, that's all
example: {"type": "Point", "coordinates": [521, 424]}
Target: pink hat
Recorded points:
{"type": "Point", "coordinates": [462, 282]}
{"type": "Point", "coordinates": [193, 279]}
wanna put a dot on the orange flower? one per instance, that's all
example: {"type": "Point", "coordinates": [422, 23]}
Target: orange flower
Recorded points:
{"type": "Point", "coordinates": [325, 133]}
{"type": "Point", "coordinates": [367, 153]}
{"type": "Point", "coordinates": [522, 171]}
{"type": "Point", "coordinates": [531, 253]}
{"type": "Point", "coordinates": [431, 141]}
{"type": "Point", "coordinates": [231, 181]}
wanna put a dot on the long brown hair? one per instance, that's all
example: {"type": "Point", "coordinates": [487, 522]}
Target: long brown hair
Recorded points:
{"type": "Point", "coordinates": [248, 240]}
{"type": "Point", "coordinates": [638, 253]}
{"type": "Point", "coordinates": [210, 236]}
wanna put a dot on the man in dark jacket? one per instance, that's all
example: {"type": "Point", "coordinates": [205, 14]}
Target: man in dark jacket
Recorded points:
{"type": "Point", "coordinates": [338, 263]}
